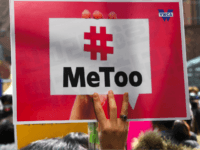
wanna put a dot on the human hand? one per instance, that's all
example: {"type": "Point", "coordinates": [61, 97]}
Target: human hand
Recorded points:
{"type": "Point", "coordinates": [83, 108]}
{"type": "Point", "coordinates": [113, 132]}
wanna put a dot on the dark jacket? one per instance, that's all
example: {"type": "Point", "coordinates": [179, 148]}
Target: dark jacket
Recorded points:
{"type": "Point", "coordinates": [193, 136]}
{"type": "Point", "coordinates": [191, 143]}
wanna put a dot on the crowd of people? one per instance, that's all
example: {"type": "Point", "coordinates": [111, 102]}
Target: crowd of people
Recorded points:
{"type": "Point", "coordinates": [171, 134]}
{"type": "Point", "coordinates": [175, 134]}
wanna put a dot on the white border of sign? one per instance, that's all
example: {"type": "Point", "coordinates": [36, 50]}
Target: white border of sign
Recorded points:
{"type": "Point", "coordinates": [12, 35]}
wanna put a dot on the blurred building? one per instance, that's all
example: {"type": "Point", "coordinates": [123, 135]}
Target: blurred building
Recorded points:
{"type": "Point", "coordinates": [5, 31]}
{"type": "Point", "coordinates": [192, 37]}
{"type": "Point", "coordinates": [193, 67]}
{"type": "Point", "coordinates": [5, 50]}
{"type": "Point", "coordinates": [192, 27]}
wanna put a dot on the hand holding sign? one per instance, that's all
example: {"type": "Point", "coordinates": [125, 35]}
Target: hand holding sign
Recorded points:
{"type": "Point", "coordinates": [114, 131]}
{"type": "Point", "coordinates": [97, 62]}
{"type": "Point", "coordinates": [83, 107]}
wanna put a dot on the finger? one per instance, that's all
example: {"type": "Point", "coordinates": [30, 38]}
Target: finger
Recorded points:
{"type": "Point", "coordinates": [112, 107]}
{"type": "Point", "coordinates": [100, 115]}
{"type": "Point", "coordinates": [84, 98]}
{"type": "Point", "coordinates": [86, 14]}
{"type": "Point", "coordinates": [97, 15]}
{"type": "Point", "coordinates": [88, 98]}
{"type": "Point", "coordinates": [124, 109]}
{"type": "Point", "coordinates": [81, 98]}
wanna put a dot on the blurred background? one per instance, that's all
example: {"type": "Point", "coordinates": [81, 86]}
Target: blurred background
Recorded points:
{"type": "Point", "coordinates": [5, 48]}
{"type": "Point", "coordinates": [192, 37]}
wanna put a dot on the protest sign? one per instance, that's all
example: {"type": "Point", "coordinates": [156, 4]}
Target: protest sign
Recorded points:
{"type": "Point", "coordinates": [57, 55]}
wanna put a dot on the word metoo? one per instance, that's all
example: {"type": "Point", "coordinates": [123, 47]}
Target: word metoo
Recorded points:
{"type": "Point", "coordinates": [93, 77]}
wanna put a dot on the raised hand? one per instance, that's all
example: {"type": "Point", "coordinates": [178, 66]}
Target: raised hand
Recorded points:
{"type": "Point", "coordinates": [113, 131]}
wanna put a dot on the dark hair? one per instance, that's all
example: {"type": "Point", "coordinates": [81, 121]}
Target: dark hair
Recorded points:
{"type": "Point", "coordinates": [6, 133]}
{"type": "Point", "coordinates": [6, 98]}
{"type": "Point", "coordinates": [73, 141]}
{"type": "Point", "coordinates": [75, 138]}
{"type": "Point", "coordinates": [189, 122]}
{"type": "Point", "coordinates": [167, 124]}
{"type": "Point", "coordinates": [47, 144]}
{"type": "Point", "coordinates": [181, 130]}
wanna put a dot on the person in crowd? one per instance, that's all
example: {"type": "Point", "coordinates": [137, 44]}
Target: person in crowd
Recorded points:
{"type": "Point", "coordinates": [4, 69]}
{"type": "Point", "coordinates": [72, 141]}
{"type": "Point", "coordinates": [6, 124]}
{"type": "Point", "coordinates": [152, 140]}
{"type": "Point", "coordinates": [77, 138]}
{"type": "Point", "coordinates": [193, 89]}
{"type": "Point", "coordinates": [165, 127]}
{"type": "Point", "coordinates": [7, 133]}
{"type": "Point", "coordinates": [113, 131]}
{"type": "Point", "coordinates": [7, 108]}
{"type": "Point", "coordinates": [182, 135]}
{"type": "Point", "coordinates": [194, 100]}
{"type": "Point", "coordinates": [176, 131]}
{"type": "Point", "coordinates": [181, 130]}
{"type": "Point", "coordinates": [190, 121]}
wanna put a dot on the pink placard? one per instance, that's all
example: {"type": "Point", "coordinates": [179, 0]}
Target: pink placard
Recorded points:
{"type": "Point", "coordinates": [135, 128]}
{"type": "Point", "coordinates": [33, 101]}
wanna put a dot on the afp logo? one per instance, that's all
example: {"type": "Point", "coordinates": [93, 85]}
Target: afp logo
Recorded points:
{"type": "Point", "coordinates": [165, 15]}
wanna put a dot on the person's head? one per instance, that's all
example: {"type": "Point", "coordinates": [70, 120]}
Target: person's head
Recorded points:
{"type": "Point", "coordinates": [163, 125]}
{"type": "Point", "coordinates": [193, 89]}
{"type": "Point", "coordinates": [77, 138]}
{"type": "Point", "coordinates": [55, 143]}
{"type": "Point", "coordinates": [152, 140]}
{"type": "Point", "coordinates": [181, 130]}
{"type": "Point", "coordinates": [6, 99]}
{"type": "Point", "coordinates": [72, 141]}
{"type": "Point", "coordinates": [190, 122]}
{"type": "Point", "coordinates": [7, 102]}
{"type": "Point", "coordinates": [6, 133]}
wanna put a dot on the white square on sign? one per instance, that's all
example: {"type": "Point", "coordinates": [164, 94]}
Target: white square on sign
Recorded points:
{"type": "Point", "coordinates": [108, 57]}
{"type": "Point", "coordinates": [98, 42]}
